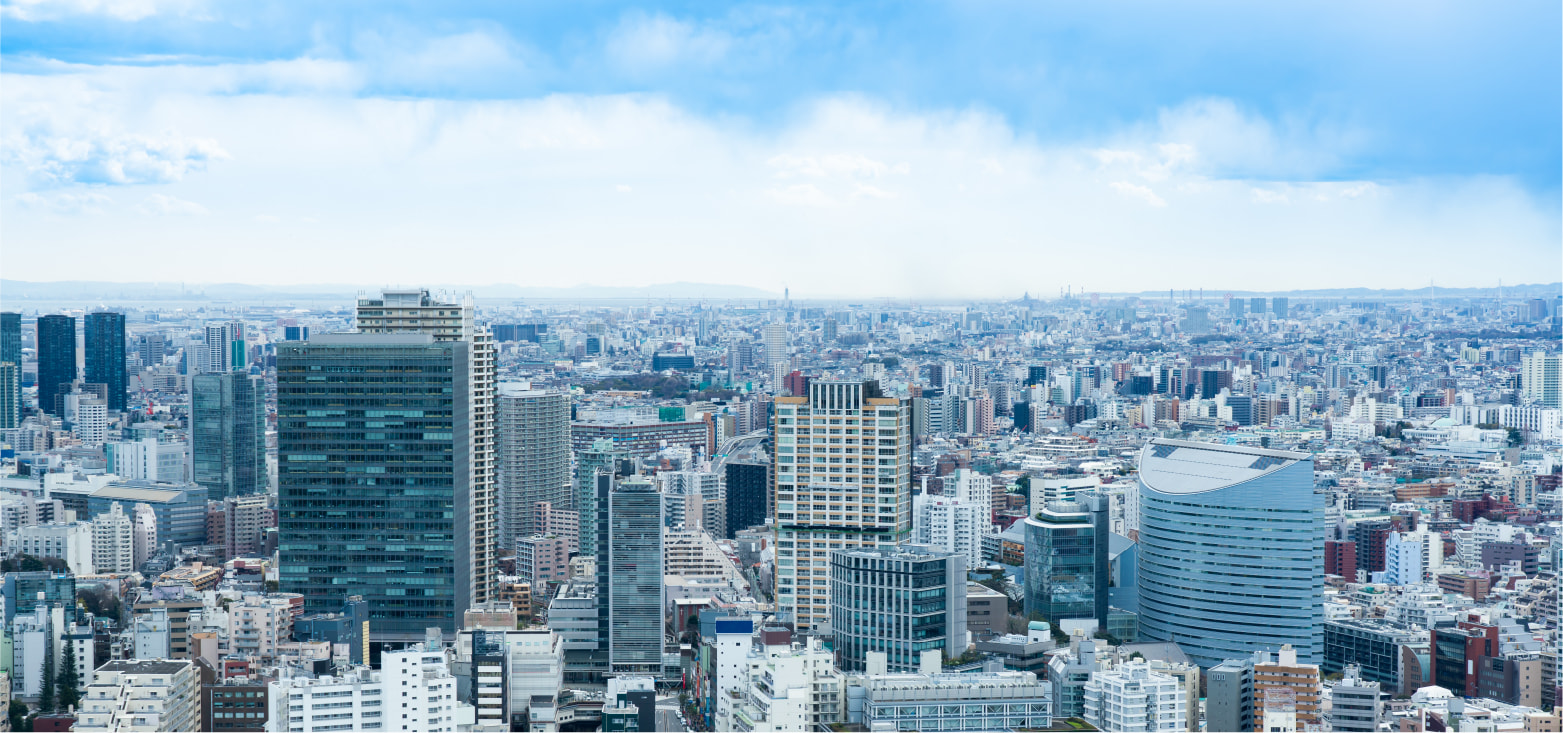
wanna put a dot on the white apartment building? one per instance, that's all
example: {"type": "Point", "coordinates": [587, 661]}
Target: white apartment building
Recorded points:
{"type": "Point", "coordinates": [956, 520]}
{"type": "Point", "coordinates": [1412, 558]}
{"type": "Point", "coordinates": [787, 688]}
{"type": "Point", "coordinates": [413, 691]}
{"type": "Point", "coordinates": [1541, 379]}
{"type": "Point", "coordinates": [71, 542]}
{"type": "Point", "coordinates": [113, 541]}
{"type": "Point", "coordinates": [257, 624]}
{"type": "Point", "coordinates": [142, 695]}
{"type": "Point", "coordinates": [843, 469]}
{"type": "Point", "coordinates": [694, 554]}
{"type": "Point", "coordinates": [89, 418]}
{"type": "Point", "coordinates": [1135, 699]}
{"type": "Point", "coordinates": [144, 539]}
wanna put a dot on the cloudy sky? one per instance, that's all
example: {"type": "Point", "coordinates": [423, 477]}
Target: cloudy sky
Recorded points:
{"type": "Point", "coordinates": [885, 149]}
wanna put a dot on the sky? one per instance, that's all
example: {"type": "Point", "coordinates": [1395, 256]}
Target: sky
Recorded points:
{"type": "Point", "coordinates": [895, 149]}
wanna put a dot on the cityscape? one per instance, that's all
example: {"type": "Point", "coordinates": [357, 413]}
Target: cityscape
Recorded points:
{"type": "Point", "coordinates": [819, 368]}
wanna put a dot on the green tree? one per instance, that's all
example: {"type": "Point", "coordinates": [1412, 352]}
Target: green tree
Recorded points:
{"type": "Point", "coordinates": [18, 715]}
{"type": "Point", "coordinates": [1516, 438]}
{"type": "Point", "coordinates": [46, 698]}
{"type": "Point", "coordinates": [69, 679]}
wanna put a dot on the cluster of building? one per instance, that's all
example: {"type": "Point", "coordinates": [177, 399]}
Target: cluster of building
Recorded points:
{"type": "Point", "coordinates": [422, 512]}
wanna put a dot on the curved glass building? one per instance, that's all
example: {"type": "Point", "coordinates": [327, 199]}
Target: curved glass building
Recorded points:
{"type": "Point", "coordinates": [1231, 551]}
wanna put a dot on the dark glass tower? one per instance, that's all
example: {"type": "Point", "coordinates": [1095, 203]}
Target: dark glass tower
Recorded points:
{"type": "Point", "coordinates": [748, 495]}
{"type": "Point", "coordinates": [635, 615]}
{"type": "Point", "coordinates": [10, 370]}
{"type": "Point", "coordinates": [228, 433]}
{"type": "Point", "coordinates": [56, 360]}
{"type": "Point", "coordinates": [105, 334]}
{"type": "Point", "coordinates": [374, 478]}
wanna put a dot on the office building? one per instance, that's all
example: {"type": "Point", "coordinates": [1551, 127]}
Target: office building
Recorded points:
{"type": "Point", "coordinates": [178, 510]}
{"type": "Point", "coordinates": [142, 695]}
{"type": "Point", "coordinates": [224, 349]}
{"type": "Point", "coordinates": [643, 438]}
{"type": "Point", "coordinates": [634, 579]}
{"type": "Point", "coordinates": [534, 457]}
{"type": "Point", "coordinates": [10, 370]}
{"type": "Point", "coordinates": [56, 361]}
{"type": "Point", "coordinates": [1371, 646]}
{"type": "Point", "coordinates": [1281, 307]}
{"type": "Point", "coordinates": [356, 700]}
{"type": "Point", "coordinates": [542, 560]}
{"type": "Point", "coordinates": [958, 519]}
{"type": "Point", "coordinates": [872, 609]}
{"type": "Point", "coordinates": [1355, 704]}
{"type": "Point", "coordinates": [105, 342]}
{"type": "Point", "coordinates": [1135, 699]}
{"type": "Point", "coordinates": [843, 473]}
{"type": "Point", "coordinates": [776, 352]}
{"type": "Point", "coordinates": [235, 706]}
{"type": "Point", "coordinates": [1067, 565]}
{"type": "Point", "coordinates": [602, 456]}
{"type": "Point", "coordinates": [375, 478]}
{"type": "Point", "coordinates": [1256, 585]}
{"type": "Point", "coordinates": [748, 495]}
{"type": "Point", "coordinates": [228, 434]}
{"type": "Point", "coordinates": [415, 311]}
{"type": "Point", "coordinates": [942, 702]}
{"type": "Point", "coordinates": [1229, 696]}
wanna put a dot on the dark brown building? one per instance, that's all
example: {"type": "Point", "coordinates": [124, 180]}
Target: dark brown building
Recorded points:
{"type": "Point", "coordinates": [234, 706]}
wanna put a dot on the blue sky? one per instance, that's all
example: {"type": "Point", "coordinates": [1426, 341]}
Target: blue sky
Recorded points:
{"type": "Point", "coordinates": [947, 149]}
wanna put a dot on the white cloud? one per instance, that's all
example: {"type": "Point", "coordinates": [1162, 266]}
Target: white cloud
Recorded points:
{"type": "Point", "coordinates": [126, 10]}
{"type": "Point", "coordinates": [886, 195]}
{"type": "Point", "coordinates": [164, 205]}
{"type": "Point", "coordinates": [65, 203]}
{"type": "Point", "coordinates": [1138, 192]}
{"type": "Point", "coordinates": [645, 43]}
{"type": "Point", "coordinates": [1268, 196]}
{"type": "Point", "coordinates": [109, 158]}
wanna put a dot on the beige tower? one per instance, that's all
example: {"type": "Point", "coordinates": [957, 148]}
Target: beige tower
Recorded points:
{"type": "Point", "coordinates": [843, 479]}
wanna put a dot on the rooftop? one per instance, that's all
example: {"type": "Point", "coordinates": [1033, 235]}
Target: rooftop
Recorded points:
{"type": "Point", "coordinates": [1185, 467]}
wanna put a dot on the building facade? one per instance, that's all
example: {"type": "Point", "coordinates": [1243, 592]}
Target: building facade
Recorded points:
{"type": "Point", "coordinates": [534, 457]}
{"type": "Point", "coordinates": [900, 601]}
{"type": "Point", "coordinates": [843, 469]}
{"type": "Point", "coordinates": [56, 361]}
{"type": "Point", "coordinates": [634, 580]}
{"type": "Point", "coordinates": [1231, 557]}
{"type": "Point", "coordinates": [105, 341]}
{"type": "Point", "coordinates": [228, 434]}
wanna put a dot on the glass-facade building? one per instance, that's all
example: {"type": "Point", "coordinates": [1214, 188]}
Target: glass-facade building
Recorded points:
{"type": "Point", "coordinates": [1066, 563]}
{"type": "Point", "coordinates": [634, 581]}
{"type": "Point", "coordinates": [228, 433]}
{"type": "Point", "coordinates": [374, 491]}
{"type": "Point", "coordinates": [56, 360]}
{"type": "Point", "coordinates": [1231, 551]}
{"type": "Point", "coordinates": [902, 600]}
{"type": "Point", "coordinates": [10, 370]}
{"type": "Point", "coordinates": [105, 341]}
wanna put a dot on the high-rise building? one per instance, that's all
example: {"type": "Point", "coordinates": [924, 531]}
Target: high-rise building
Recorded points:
{"type": "Point", "coordinates": [590, 500]}
{"type": "Point", "coordinates": [848, 485]}
{"type": "Point", "coordinates": [1298, 683]}
{"type": "Point", "coordinates": [634, 590]}
{"type": "Point", "coordinates": [1258, 584]}
{"type": "Point", "coordinates": [776, 351]}
{"type": "Point", "coordinates": [225, 349]}
{"type": "Point", "coordinates": [105, 337]}
{"type": "Point", "coordinates": [56, 361]}
{"type": "Point", "coordinates": [228, 433]}
{"type": "Point", "coordinates": [958, 519]}
{"type": "Point", "coordinates": [748, 495]}
{"type": "Point", "coordinates": [1541, 378]}
{"type": "Point", "coordinates": [10, 370]}
{"type": "Point", "coordinates": [1229, 698]}
{"type": "Point", "coordinates": [1281, 307]}
{"type": "Point", "coordinates": [374, 478]}
{"type": "Point", "coordinates": [1067, 561]}
{"type": "Point", "coordinates": [415, 311]}
{"type": "Point", "coordinates": [873, 610]}
{"type": "Point", "coordinates": [534, 457]}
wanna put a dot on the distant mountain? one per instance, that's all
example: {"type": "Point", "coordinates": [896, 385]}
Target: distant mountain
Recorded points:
{"type": "Point", "coordinates": [1509, 291]}
{"type": "Point", "coordinates": [80, 290]}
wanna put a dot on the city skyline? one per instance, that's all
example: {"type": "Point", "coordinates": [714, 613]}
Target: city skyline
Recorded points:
{"type": "Point", "coordinates": [959, 151]}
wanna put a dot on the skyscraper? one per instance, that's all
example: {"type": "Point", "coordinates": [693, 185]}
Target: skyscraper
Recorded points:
{"type": "Point", "coordinates": [748, 497]}
{"type": "Point", "coordinates": [591, 499]}
{"type": "Point", "coordinates": [1255, 583]}
{"type": "Point", "coordinates": [1541, 378]}
{"type": "Point", "coordinates": [10, 370]}
{"type": "Point", "coordinates": [56, 360]}
{"type": "Point", "coordinates": [224, 350]}
{"type": "Point", "coordinates": [843, 469]}
{"type": "Point", "coordinates": [105, 332]}
{"type": "Point", "coordinates": [1061, 563]}
{"type": "Point", "coordinates": [228, 434]}
{"type": "Point", "coordinates": [635, 617]}
{"type": "Point", "coordinates": [776, 351]}
{"type": "Point", "coordinates": [415, 311]}
{"type": "Point", "coordinates": [374, 478]}
{"type": "Point", "coordinates": [534, 457]}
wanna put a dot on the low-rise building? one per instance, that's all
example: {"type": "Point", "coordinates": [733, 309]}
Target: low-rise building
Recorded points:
{"type": "Point", "coordinates": [142, 695]}
{"type": "Point", "coordinates": [934, 702]}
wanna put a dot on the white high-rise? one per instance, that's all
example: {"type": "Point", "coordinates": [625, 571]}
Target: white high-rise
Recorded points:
{"type": "Point", "coordinates": [776, 352]}
{"type": "Point", "coordinates": [843, 469]}
{"type": "Point", "coordinates": [415, 311]}
{"type": "Point", "coordinates": [956, 520]}
{"type": "Point", "coordinates": [1541, 378]}
{"type": "Point", "coordinates": [113, 541]}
